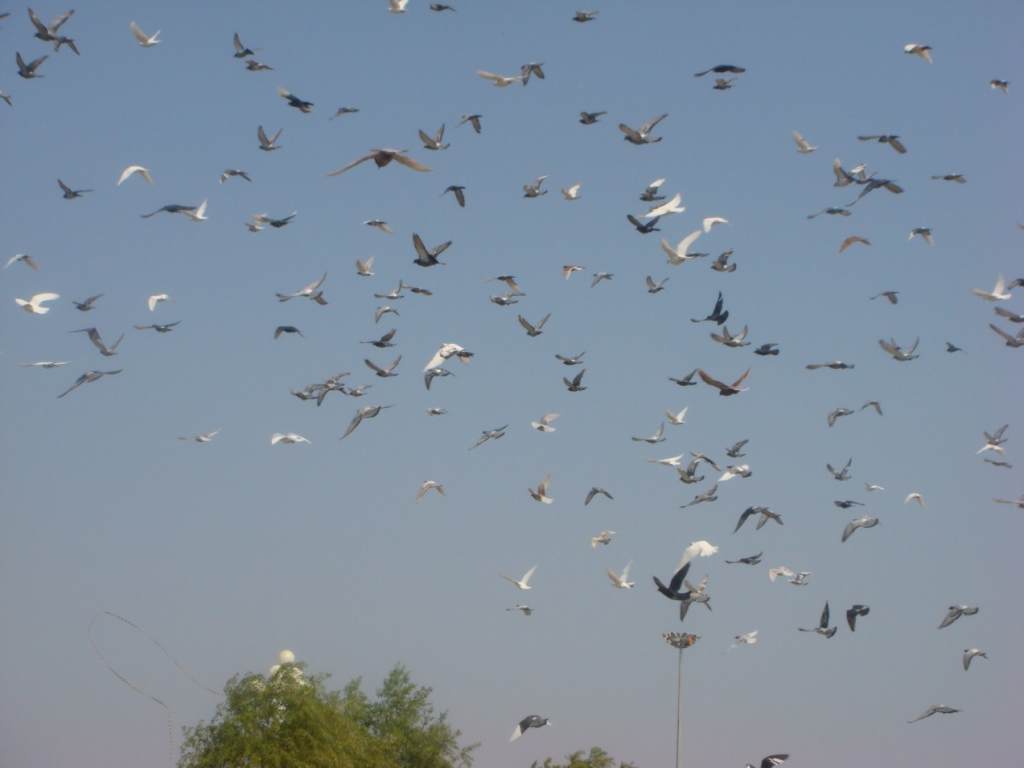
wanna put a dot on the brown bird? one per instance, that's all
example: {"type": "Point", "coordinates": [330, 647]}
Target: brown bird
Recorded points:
{"type": "Point", "coordinates": [851, 240]}
{"type": "Point", "coordinates": [725, 390]}
{"type": "Point", "coordinates": [382, 157]}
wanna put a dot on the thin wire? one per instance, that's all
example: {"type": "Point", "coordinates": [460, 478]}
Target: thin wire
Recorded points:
{"type": "Point", "coordinates": [679, 703]}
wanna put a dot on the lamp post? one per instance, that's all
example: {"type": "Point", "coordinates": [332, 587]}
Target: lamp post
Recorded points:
{"type": "Point", "coordinates": [679, 641]}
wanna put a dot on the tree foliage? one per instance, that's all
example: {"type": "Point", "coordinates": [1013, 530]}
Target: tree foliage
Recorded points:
{"type": "Point", "coordinates": [597, 758]}
{"type": "Point", "coordinates": [291, 720]}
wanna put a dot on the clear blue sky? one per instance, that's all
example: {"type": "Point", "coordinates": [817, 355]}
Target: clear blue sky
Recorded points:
{"type": "Point", "coordinates": [231, 551]}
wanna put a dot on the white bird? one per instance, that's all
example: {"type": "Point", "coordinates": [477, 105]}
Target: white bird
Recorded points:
{"type": "Point", "coordinates": [45, 364]}
{"type": "Point", "coordinates": [748, 638]}
{"type": "Point", "coordinates": [24, 258]}
{"type": "Point", "coordinates": [679, 254]}
{"type": "Point", "coordinates": [873, 487]}
{"type": "Point", "coordinates": [544, 424]}
{"type": "Point", "coordinates": [604, 537]}
{"type": "Point", "coordinates": [203, 437]}
{"type": "Point", "coordinates": [146, 41]}
{"type": "Point", "coordinates": [915, 496]}
{"type": "Point", "coordinates": [774, 573]}
{"type": "Point", "coordinates": [970, 654]}
{"type": "Point", "coordinates": [740, 470]}
{"type": "Point", "coordinates": [573, 192]}
{"type": "Point", "coordinates": [199, 214]}
{"type": "Point", "coordinates": [499, 81]}
{"type": "Point", "coordinates": [677, 418]}
{"type": "Point", "coordinates": [445, 351]}
{"type": "Point", "coordinates": [621, 580]}
{"type": "Point", "coordinates": [289, 438]}
{"type": "Point", "coordinates": [523, 583]}
{"type": "Point", "coordinates": [700, 548]}
{"type": "Point", "coordinates": [711, 221]}
{"type": "Point", "coordinates": [131, 170]}
{"type": "Point", "coordinates": [672, 206]}
{"type": "Point", "coordinates": [541, 493]}
{"type": "Point", "coordinates": [802, 145]}
{"type": "Point", "coordinates": [671, 461]}
{"type": "Point", "coordinates": [155, 299]}
{"type": "Point", "coordinates": [427, 486]}
{"type": "Point", "coordinates": [268, 144]}
{"type": "Point", "coordinates": [918, 49]}
{"type": "Point", "coordinates": [365, 268]}
{"type": "Point", "coordinates": [998, 293]}
{"type": "Point", "coordinates": [34, 305]}
{"type": "Point", "coordinates": [397, 6]}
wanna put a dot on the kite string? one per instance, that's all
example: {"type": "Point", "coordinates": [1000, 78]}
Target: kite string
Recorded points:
{"type": "Point", "coordinates": [181, 668]}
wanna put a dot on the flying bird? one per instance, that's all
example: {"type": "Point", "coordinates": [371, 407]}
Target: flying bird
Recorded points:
{"type": "Point", "coordinates": [920, 50]}
{"type": "Point", "coordinates": [287, 438]}
{"type": "Point", "coordinates": [672, 206]}
{"type": "Point", "coordinates": [644, 228]}
{"type": "Point", "coordinates": [28, 71]}
{"type": "Point", "coordinates": [886, 138]}
{"type": "Point", "coordinates": [541, 492]}
{"type": "Point", "coordinates": [823, 628]}
{"type": "Point", "coordinates": [621, 580]}
{"type": "Point", "coordinates": [749, 560]}
{"type": "Point", "coordinates": [523, 583]}
{"type": "Point", "coordinates": [594, 492]}
{"type": "Point", "coordinates": [653, 287]}
{"type": "Point", "coordinates": [488, 434]}
{"type": "Point", "coordinates": [132, 170]}
{"type": "Point", "coordinates": [69, 193]}
{"type": "Point", "coordinates": [853, 613]}
{"type": "Point", "coordinates": [294, 101]}
{"type": "Point", "coordinates": [459, 192]}
{"type": "Point", "coordinates": [925, 233]}
{"type": "Point", "coordinates": [897, 352]}
{"type": "Point", "coordinates": [499, 81]}
{"type": "Point", "coordinates": [202, 438]}
{"type": "Point", "coordinates": [725, 390]}
{"type": "Point", "coordinates": [861, 522]}
{"type": "Point", "coordinates": [381, 157]}
{"type": "Point", "coordinates": [384, 372]}
{"type": "Point", "coordinates": [427, 486]}
{"type": "Point", "coordinates": [998, 293]}
{"type": "Point", "coordinates": [366, 412]}
{"type": "Point", "coordinates": [851, 240]}
{"type": "Point", "coordinates": [146, 41]}
{"type": "Point", "coordinates": [642, 135]}
{"type": "Point", "coordinates": [97, 341]}
{"type": "Point", "coordinates": [531, 329]}
{"type": "Point", "coordinates": [717, 315]}
{"type": "Point", "coordinates": [22, 258]}
{"type": "Point", "coordinates": [435, 142]}
{"type": "Point", "coordinates": [544, 423]}
{"type": "Point", "coordinates": [955, 612]}
{"type": "Point", "coordinates": [313, 291]}
{"type": "Point", "coordinates": [34, 304]}
{"type": "Point", "coordinates": [87, 378]}
{"type": "Point", "coordinates": [583, 17]}
{"type": "Point", "coordinates": [970, 654]}
{"type": "Point", "coordinates": [803, 146]}
{"type": "Point", "coordinates": [765, 514]}
{"type": "Point", "coordinates": [427, 257]}
{"type": "Point", "coordinates": [45, 364]}
{"type": "Point", "coordinates": [530, 721]}
{"type": "Point", "coordinates": [840, 474]}
{"type": "Point", "coordinates": [771, 761]}
{"type": "Point", "coordinates": [268, 144]}
{"type": "Point", "coordinates": [576, 385]}
{"type": "Point", "coordinates": [657, 437]}
{"type": "Point", "coordinates": [194, 212]}
{"type": "Point", "coordinates": [589, 118]}
{"type": "Point", "coordinates": [473, 120]}
{"type": "Point", "coordinates": [721, 69]}
{"type": "Point", "coordinates": [935, 709]}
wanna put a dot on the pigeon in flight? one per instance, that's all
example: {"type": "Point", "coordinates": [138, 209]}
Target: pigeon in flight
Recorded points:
{"type": "Point", "coordinates": [840, 474]}
{"type": "Point", "coordinates": [523, 583]}
{"type": "Point", "coordinates": [435, 142]}
{"type": "Point", "coordinates": [202, 438]}
{"type": "Point", "coordinates": [69, 193]}
{"type": "Point", "coordinates": [589, 118]}
{"type": "Point", "coordinates": [576, 385]}
{"type": "Point", "coordinates": [97, 340]}
{"type": "Point", "coordinates": [146, 41]}
{"type": "Point", "coordinates": [132, 170]}
{"type": "Point", "coordinates": [604, 538]}
{"type": "Point", "coordinates": [643, 134]}
{"type": "Point", "coordinates": [835, 365]}
{"type": "Point", "coordinates": [886, 138]}
{"type": "Point", "coordinates": [803, 146]}
{"type": "Point", "coordinates": [891, 296]}
{"type": "Point", "coordinates": [382, 157]}
{"type": "Point", "coordinates": [717, 315]}
{"type": "Point", "coordinates": [644, 228]}
{"type": "Point", "coordinates": [823, 628]}
{"type": "Point", "coordinates": [294, 101]}
{"type": "Point", "coordinates": [657, 437]}
{"type": "Point", "coordinates": [735, 451]}
{"type": "Point", "coordinates": [955, 612]}
{"type": "Point", "coordinates": [749, 560]}
{"type": "Point", "coordinates": [897, 352]}
{"type": "Point", "coordinates": [366, 412]}
{"type": "Point", "coordinates": [427, 257]}
{"type": "Point", "coordinates": [530, 721]}
{"type": "Point", "coordinates": [621, 580]}
{"type": "Point", "coordinates": [853, 613]}
{"type": "Point", "coordinates": [313, 291]}
{"type": "Point", "coordinates": [583, 17]}
{"type": "Point", "coordinates": [767, 349]}
{"type": "Point", "coordinates": [935, 709]}
{"type": "Point", "coordinates": [531, 329]}
{"type": "Point", "coordinates": [499, 81]}
{"type": "Point", "coordinates": [473, 120]}
{"type": "Point", "coordinates": [544, 424]}
{"type": "Point", "coordinates": [87, 378]}
{"type": "Point", "coordinates": [835, 415]}
{"type": "Point", "coordinates": [34, 304]}
{"type": "Point", "coordinates": [721, 69]}
{"type": "Point", "coordinates": [725, 390]}
{"type": "Point", "coordinates": [771, 761]}
{"type": "Point", "coordinates": [685, 381]}
{"type": "Point", "coordinates": [22, 258]}
{"type": "Point", "coordinates": [287, 438]}
{"type": "Point", "coordinates": [861, 522]}
{"type": "Point", "coordinates": [765, 513]}
{"type": "Point", "coordinates": [28, 71]}
{"type": "Point", "coordinates": [970, 654]}
{"type": "Point", "coordinates": [489, 434]}
{"type": "Point", "coordinates": [595, 491]}
{"type": "Point", "coordinates": [459, 192]}
{"type": "Point", "coordinates": [920, 50]}
{"type": "Point", "coordinates": [427, 486]}
{"type": "Point", "coordinates": [541, 492]}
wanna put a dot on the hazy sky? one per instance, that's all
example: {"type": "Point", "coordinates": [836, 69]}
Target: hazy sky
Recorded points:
{"type": "Point", "coordinates": [231, 551]}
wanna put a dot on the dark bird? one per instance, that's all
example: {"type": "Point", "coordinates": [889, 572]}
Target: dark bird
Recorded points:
{"type": "Point", "coordinates": [159, 327]}
{"type": "Point", "coordinates": [241, 51]}
{"type": "Point", "coordinates": [589, 118]}
{"type": "Point", "coordinates": [823, 628]}
{"type": "Point", "coordinates": [721, 69]}
{"type": "Point", "coordinates": [771, 761]}
{"type": "Point", "coordinates": [576, 385]}
{"type": "Point", "coordinates": [873, 404]}
{"type": "Point", "coordinates": [28, 71]}
{"type": "Point", "coordinates": [770, 348]}
{"type": "Point", "coordinates": [835, 365]}
{"type": "Point", "coordinates": [530, 721]}
{"type": "Point", "coordinates": [51, 34]}
{"type": "Point", "coordinates": [87, 378]}
{"type": "Point", "coordinates": [643, 134]}
{"type": "Point", "coordinates": [831, 212]}
{"type": "Point", "coordinates": [427, 257]}
{"type": "Point", "coordinates": [533, 68]}
{"type": "Point", "coordinates": [438, 8]}
{"type": "Point", "coordinates": [294, 101]}
{"type": "Point", "coordinates": [342, 111]}
{"type": "Point", "coordinates": [69, 193]}
{"type": "Point", "coordinates": [595, 491]}
{"type": "Point", "coordinates": [584, 16]}
{"type": "Point", "coordinates": [891, 296]}
{"type": "Point", "coordinates": [935, 709]}
{"type": "Point", "coordinates": [716, 315]}
{"type": "Point", "coordinates": [751, 560]}
{"type": "Point", "coordinates": [473, 120]}
{"type": "Point", "coordinates": [459, 192]}
{"type": "Point", "coordinates": [687, 380]}
{"type": "Point", "coordinates": [736, 450]}
{"type": "Point", "coordinates": [281, 329]}
{"type": "Point", "coordinates": [384, 341]}
{"type": "Point", "coordinates": [872, 184]}
{"type": "Point", "coordinates": [384, 373]}
{"type": "Point", "coordinates": [765, 513]}
{"type": "Point", "coordinates": [847, 504]}
{"type": "Point", "coordinates": [571, 359]}
{"type": "Point", "coordinates": [435, 142]}
{"type": "Point", "coordinates": [840, 474]}
{"type": "Point", "coordinates": [886, 138]}
{"type": "Point", "coordinates": [959, 178]}
{"type": "Point", "coordinates": [724, 390]}
{"type": "Point", "coordinates": [853, 613]}
{"type": "Point", "coordinates": [254, 66]}
{"type": "Point", "coordinates": [951, 347]}
{"type": "Point", "coordinates": [644, 227]}
{"type": "Point", "coordinates": [87, 304]}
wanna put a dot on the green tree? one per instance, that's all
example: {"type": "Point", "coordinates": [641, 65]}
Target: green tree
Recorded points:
{"type": "Point", "coordinates": [597, 758]}
{"type": "Point", "coordinates": [291, 720]}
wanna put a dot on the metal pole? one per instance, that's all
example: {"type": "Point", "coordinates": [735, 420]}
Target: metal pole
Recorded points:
{"type": "Point", "coordinates": [679, 703]}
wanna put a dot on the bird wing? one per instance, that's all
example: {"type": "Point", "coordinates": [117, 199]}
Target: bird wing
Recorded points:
{"type": "Point", "coordinates": [852, 526]}
{"type": "Point", "coordinates": [528, 575]}
{"type": "Point", "coordinates": [649, 125]}
{"type": "Point", "coordinates": [1001, 332]}
{"type": "Point", "coordinates": [630, 133]}
{"type": "Point", "coordinates": [526, 324]}
{"type": "Point", "coordinates": [141, 36]}
{"type": "Point", "coordinates": [709, 380]}
{"type": "Point", "coordinates": [824, 617]}
{"type": "Point", "coordinates": [739, 381]}
{"type": "Point", "coordinates": [353, 164]}
{"type": "Point", "coordinates": [896, 144]}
